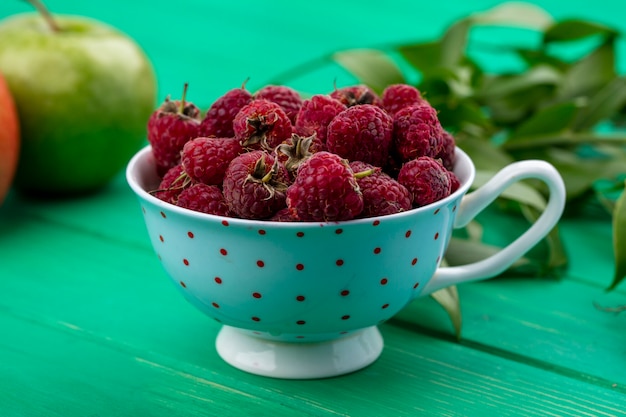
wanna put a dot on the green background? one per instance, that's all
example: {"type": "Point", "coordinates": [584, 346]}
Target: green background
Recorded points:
{"type": "Point", "coordinates": [91, 326]}
{"type": "Point", "coordinates": [216, 46]}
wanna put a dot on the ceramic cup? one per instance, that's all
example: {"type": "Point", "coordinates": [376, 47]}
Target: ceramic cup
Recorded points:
{"type": "Point", "coordinates": [303, 300]}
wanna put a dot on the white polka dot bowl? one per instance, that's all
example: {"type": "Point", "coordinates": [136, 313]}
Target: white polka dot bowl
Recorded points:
{"type": "Point", "coordinates": [303, 300]}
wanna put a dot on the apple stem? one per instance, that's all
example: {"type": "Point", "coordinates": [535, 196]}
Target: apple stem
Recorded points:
{"type": "Point", "coordinates": [45, 13]}
{"type": "Point", "coordinates": [182, 99]}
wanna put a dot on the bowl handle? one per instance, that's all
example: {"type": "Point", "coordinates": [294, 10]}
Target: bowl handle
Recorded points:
{"type": "Point", "coordinates": [475, 202]}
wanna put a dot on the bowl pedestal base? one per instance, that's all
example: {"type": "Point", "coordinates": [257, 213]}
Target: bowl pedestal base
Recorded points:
{"type": "Point", "coordinates": [299, 360]}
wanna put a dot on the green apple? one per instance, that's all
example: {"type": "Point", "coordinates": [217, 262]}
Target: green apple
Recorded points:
{"type": "Point", "coordinates": [83, 91]}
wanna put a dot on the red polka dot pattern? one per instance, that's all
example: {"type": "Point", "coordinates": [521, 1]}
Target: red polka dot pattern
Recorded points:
{"type": "Point", "coordinates": [368, 287]}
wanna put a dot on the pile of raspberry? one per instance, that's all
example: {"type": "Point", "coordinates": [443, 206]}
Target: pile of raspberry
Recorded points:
{"type": "Point", "coordinates": [274, 155]}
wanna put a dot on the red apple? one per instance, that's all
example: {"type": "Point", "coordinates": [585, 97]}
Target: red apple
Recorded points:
{"type": "Point", "coordinates": [9, 139]}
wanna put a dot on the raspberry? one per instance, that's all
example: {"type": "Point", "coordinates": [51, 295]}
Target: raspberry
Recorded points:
{"type": "Point", "coordinates": [315, 115]}
{"type": "Point", "coordinates": [254, 185]}
{"type": "Point", "coordinates": [361, 133]}
{"type": "Point", "coordinates": [447, 152]}
{"type": "Point", "coordinates": [381, 194]}
{"type": "Point", "coordinates": [417, 132]}
{"type": "Point", "coordinates": [169, 128]}
{"type": "Point", "coordinates": [325, 189]}
{"type": "Point", "coordinates": [283, 215]}
{"type": "Point", "coordinates": [455, 183]}
{"type": "Point", "coordinates": [426, 179]}
{"type": "Point", "coordinates": [173, 183]}
{"type": "Point", "coordinates": [398, 96]}
{"type": "Point", "coordinates": [204, 198]}
{"type": "Point", "coordinates": [262, 124]}
{"type": "Point", "coordinates": [357, 94]}
{"type": "Point", "coordinates": [205, 159]}
{"type": "Point", "coordinates": [286, 97]}
{"type": "Point", "coordinates": [218, 120]}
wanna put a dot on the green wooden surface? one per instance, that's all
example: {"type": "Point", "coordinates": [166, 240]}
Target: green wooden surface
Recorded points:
{"type": "Point", "coordinates": [91, 326]}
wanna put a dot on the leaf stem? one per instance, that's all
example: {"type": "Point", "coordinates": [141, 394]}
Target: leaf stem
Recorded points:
{"type": "Point", "coordinates": [45, 13]}
{"type": "Point", "coordinates": [566, 138]}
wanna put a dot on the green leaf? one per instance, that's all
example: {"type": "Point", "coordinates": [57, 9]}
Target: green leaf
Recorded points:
{"type": "Point", "coordinates": [602, 105]}
{"type": "Point", "coordinates": [483, 154]}
{"type": "Point", "coordinates": [519, 192]}
{"type": "Point", "coordinates": [579, 174]}
{"type": "Point", "coordinates": [465, 115]}
{"type": "Point", "coordinates": [425, 57]}
{"type": "Point", "coordinates": [453, 43]}
{"type": "Point", "coordinates": [574, 29]}
{"type": "Point", "coordinates": [371, 67]}
{"type": "Point", "coordinates": [512, 109]}
{"type": "Point", "coordinates": [555, 119]}
{"type": "Point", "coordinates": [589, 73]}
{"type": "Point", "coordinates": [508, 84]}
{"type": "Point", "coordinates": [534, 57]}
{"type": "Point", "coordinates": [619, 240]}
{"type": "Point", "coordinates": [447, 84]}
{"type": "Point", "coordinates": [448, 298]}
{"type": "Point", "coordinates": [462, 252]}
{"type": "Point", "coordinates": [515, 13]}
{"type": "Point", "coordinates": [557, 256]}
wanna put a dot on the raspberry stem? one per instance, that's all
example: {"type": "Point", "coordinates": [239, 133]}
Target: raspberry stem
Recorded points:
{"type": "Point", "coordinates": [181, 108]}
{"type": "Point", "coordinates": [45, 13]}
{"type": "Point", "coordinates": [366, 173]}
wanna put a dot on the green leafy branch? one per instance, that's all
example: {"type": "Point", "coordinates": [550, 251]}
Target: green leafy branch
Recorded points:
{"type": "Point", "coordinates": [560, 99]}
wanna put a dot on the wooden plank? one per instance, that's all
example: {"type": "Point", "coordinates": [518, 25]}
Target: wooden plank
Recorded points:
{"type": "Point", "coordinates": [116, 297]}
{"type": "Point", "coordinates": [82, 373]}
{"type": "Point", "coordinates": [552, 324]}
